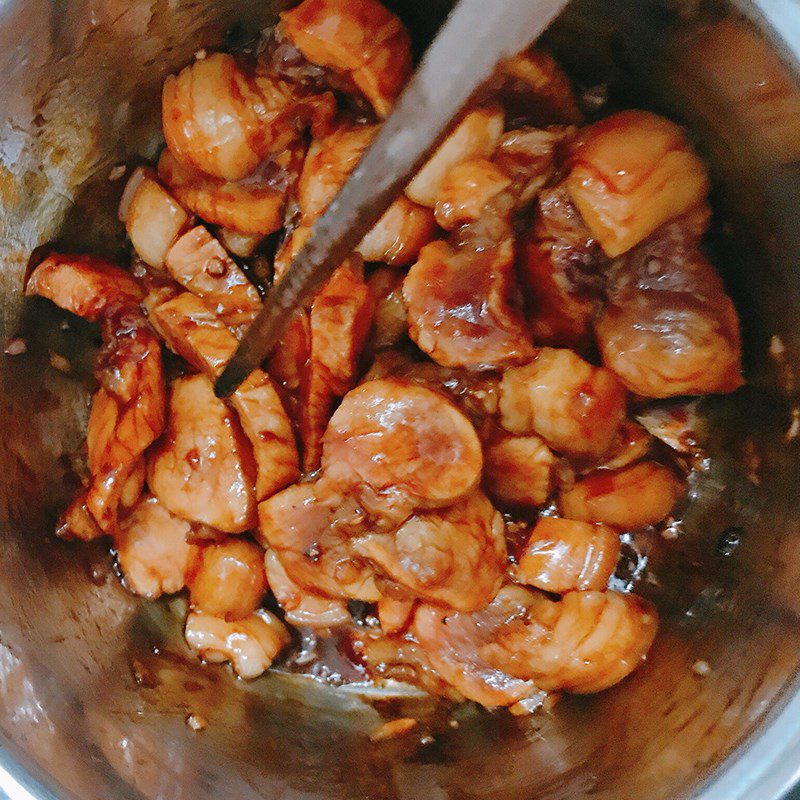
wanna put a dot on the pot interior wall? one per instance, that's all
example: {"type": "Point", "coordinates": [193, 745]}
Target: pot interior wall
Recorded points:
{"type": "Point", "coordinates": [95, 686]}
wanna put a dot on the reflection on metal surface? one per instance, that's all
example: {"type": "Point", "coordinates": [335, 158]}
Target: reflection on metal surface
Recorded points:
{"type": "Point", "coordinates": [12, 789]}
{"type": "Point", "coordinates": [733, 66]}
{"type": "Point", "coordinates": [88, 709]}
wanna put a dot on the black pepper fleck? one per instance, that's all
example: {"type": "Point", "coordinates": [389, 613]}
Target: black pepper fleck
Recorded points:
{"type": "Point", "coordinates": [729, 540]}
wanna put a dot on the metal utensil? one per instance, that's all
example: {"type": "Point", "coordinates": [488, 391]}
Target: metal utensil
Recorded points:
{"type": "Point", "coordinates": [473, 40]}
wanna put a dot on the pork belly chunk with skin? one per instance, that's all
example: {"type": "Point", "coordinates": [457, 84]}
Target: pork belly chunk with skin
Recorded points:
{"type": "Point", "coordinates": [397, 436]}
{"type": "Point", "coordinates": [454, 556]}
{"type": "Point", "coordinates": [564, 555]}
{"type": "Point", "coordinates": [202, 469]}
{"type": "Point", "coordinates": [227, 578]}
{"type": "Point", "coordinates": [360, 39]}
{"type": "Point", "coordinates": [250, 644]}
{"type": "Point", "coordinates": [638, 495]}
{"type": "Point", "coordinates": [461, 309]}
{"type": "Point", "coordinates": [632, 172]}
{"type": "Point", "coordinates": [668, 327]}
{"type": "Point", "coordinates": [575, 407]}
{"type": "Point", "coordinates": [152, 548]}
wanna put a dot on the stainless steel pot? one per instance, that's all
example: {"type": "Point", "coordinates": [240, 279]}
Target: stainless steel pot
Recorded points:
{"type": "Point", "coordinates": [94, 686]}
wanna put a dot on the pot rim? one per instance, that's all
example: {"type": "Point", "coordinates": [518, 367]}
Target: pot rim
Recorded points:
{"type": "Point", "coordinates": [766, 763]}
